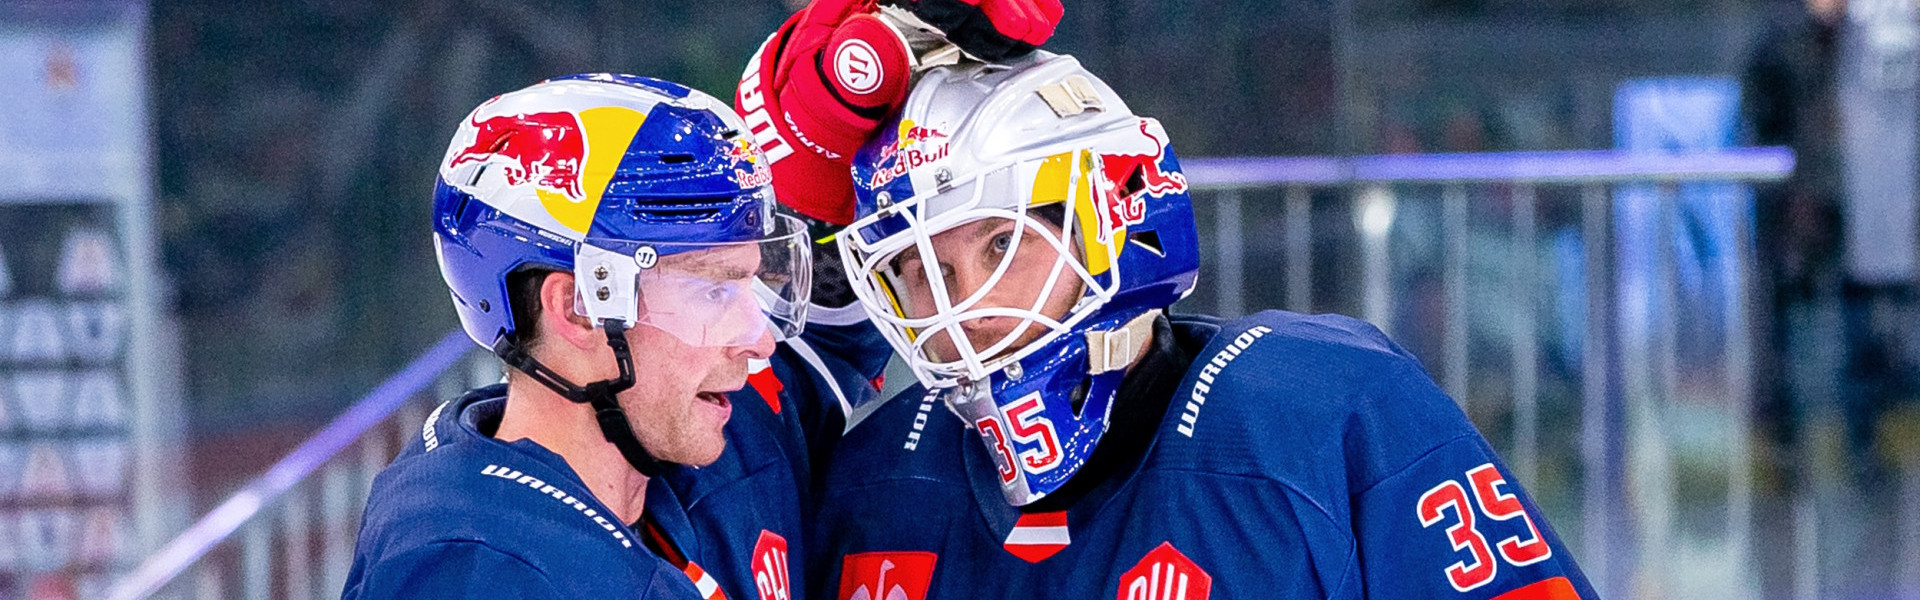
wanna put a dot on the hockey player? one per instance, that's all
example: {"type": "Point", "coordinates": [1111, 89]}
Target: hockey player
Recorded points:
{"type": "Point", "coordinates": [612, 239]}
{"type": "Point", "coordinates": [1019, 235]}
{"type": "Point", "coordinates": [744, 509]}
{"type": "Point", "coordinates": [738, 515]}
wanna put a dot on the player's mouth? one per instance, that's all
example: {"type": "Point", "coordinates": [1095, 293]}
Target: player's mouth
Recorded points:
{"type": "Point", "coordinates": [715, 398]}
{"type": "Point", "coordinates": [718, 406]}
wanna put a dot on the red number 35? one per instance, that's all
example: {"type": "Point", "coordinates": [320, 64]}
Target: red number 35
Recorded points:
{"type": "Point", "coordinates": [1029, 427]}
{"type": "Point", "coordinates": [1496, 504]}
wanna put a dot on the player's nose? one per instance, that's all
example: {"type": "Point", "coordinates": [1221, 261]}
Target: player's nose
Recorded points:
{"type": "Point", "coordinates": [759, 349]}
{"type": "Point", "coordinates": [984, 332]}
{"type": "Point", "coordinates": [966, 280]}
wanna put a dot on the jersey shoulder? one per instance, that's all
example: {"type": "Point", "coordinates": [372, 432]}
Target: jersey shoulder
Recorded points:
{"type": "Point", "coordinates": [468, 488]}
{"type": "Point", "coordinates": [911, 436]}
{"type": "Point", "coordinates": [1290, 397]}
{"type": "Point", "coordinates": [448, 570]}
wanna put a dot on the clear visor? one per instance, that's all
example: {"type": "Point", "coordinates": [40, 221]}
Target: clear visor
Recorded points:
{"type": "Point", "coordinates": [704, 294]}
{"type": "Point", "coordinates": [965, 282]}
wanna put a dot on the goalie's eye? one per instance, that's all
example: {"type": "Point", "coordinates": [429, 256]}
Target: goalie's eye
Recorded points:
{"type": "Point", "coordinates": [1002, 242]}
{"type": "Point", "coordinates": [906, 263]}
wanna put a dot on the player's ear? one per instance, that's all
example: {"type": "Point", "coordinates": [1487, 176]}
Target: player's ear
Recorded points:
{"type": "Point", "coordinates": [557, 316]}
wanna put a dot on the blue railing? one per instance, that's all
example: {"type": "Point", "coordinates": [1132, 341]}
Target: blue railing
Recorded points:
{"type": "Point", "coordinates": [373, 409]}
{"type": "Point", "coordinates": [1573, 166]}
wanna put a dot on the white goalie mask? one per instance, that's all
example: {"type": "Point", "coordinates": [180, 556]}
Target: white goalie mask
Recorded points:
{"type": "Point", "coordinates": [1015, 229]}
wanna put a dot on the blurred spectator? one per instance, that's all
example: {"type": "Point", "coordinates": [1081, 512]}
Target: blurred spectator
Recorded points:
{"type": "Point", "coordinates": [1879, 113]}
{"type": "Point", "coordinates": [1789, 102]}
{"type": "Point", "coordinates": [1836, 83]}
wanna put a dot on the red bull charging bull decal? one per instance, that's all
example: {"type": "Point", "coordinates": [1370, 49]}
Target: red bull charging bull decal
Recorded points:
{"type": "Point", "coordinates": [1118, 210]}
{"type": "Point", "coordinates": [567, 163]}
{"type": "Point", "coordinates": [1136, 176]}
{"type": "Point", "coordinates": [915, 147]}
{"type": "Point", "coordinates": [551, 159]}
{"type": "Point", "coordinates": [1154, 181]}
{"type": "Point", "coordinates": [748, 168]}
{"type": "Point", "coordinates": [1109, 185]}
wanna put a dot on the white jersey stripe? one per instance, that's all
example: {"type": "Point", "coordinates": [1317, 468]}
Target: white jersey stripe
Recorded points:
{"type": "Point", "coordinates": [1038, 536]}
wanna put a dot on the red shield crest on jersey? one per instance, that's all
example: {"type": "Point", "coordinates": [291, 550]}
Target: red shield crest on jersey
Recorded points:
{"type": "Point", "coordinates": [886, 575]}
{"type": "Point", "coordinates": [770, 567]}
{"type": "Point", "coordinates": [1165, 574]}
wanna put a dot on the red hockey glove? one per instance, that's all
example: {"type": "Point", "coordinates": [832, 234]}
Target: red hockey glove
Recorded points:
{"type": "Point", "coordinates": [815, 91]}
{"type": "Point", "coordinates": [990, 30]}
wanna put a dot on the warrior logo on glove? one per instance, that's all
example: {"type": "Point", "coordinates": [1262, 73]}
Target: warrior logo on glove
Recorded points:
{"type": "Point", "coordinates": [858, 67]}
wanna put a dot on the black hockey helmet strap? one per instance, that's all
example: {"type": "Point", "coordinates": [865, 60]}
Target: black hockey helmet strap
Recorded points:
{"type": "Point", "coordinates": [600, 394]}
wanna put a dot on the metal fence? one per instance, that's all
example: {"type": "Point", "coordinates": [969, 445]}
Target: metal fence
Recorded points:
{"type": "Point", "coordinates": [1592, 311]}
{"type": "Point", "coordinates": [290, 532]}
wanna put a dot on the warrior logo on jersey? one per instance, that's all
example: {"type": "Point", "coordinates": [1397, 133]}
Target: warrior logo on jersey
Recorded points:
{"type": "Point", "coordinates": [886, 575]}
{"type": "Point", "coordinates": [770, 567]}
{"type": "Point", "coordinates": [1165, 574]}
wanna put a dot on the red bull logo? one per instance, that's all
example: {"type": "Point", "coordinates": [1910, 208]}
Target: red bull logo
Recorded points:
{"type": "Point", "coordinates": [1120, 168]}
{"type": "Point", "coordinates": [1118, 210]}
{"type": "Point", "coordinates": [564, 158]}
{"type": "Point", "coordinates": [915, 147]}
{"type": "Point", "coordinates": [911, 135]}
{"type": "Point", "coordinates": [752, 173]}
{"type": "Point", "coordinates": [741, 149]}
{"type": "Point", "coordinates": [1165, 574]}
{"type": "Point", "coordinates": [757, 176]}
{"type": "Point", "coordinates": [545, 148]}
{"type": "Point", "coordinates": [1136, 176]}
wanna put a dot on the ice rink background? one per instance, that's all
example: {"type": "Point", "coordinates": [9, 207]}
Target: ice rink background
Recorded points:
{"type": "Point", "coordinates": [261, 172]}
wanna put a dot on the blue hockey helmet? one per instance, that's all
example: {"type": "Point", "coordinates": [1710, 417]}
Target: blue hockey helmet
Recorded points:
{"type": "Point", "coordinates": [609, 176]}
{"type": "Point", "coordinates": [651, 194]}
{"type": "Point", "coordinates": [1047, 153]}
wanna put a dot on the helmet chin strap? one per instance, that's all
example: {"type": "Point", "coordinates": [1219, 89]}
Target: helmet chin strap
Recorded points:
{"type": "Point", "coordinates": [599, 394]}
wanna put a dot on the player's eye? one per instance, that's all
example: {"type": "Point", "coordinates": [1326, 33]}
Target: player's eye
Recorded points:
{"type": "Point", "coordinates": [1001, 242]}
{"type": "Point", "coordinates": [908, 269]}
{"type": "Point", "coordinates": [906, 262]}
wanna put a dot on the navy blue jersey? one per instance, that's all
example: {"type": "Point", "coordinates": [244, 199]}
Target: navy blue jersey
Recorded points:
{"type": "Point", "coordinates": [727, 527]}
{"type": "Point", "coordinates": [744, 510]}
{"type": "Point", "coordinates": [1297, 457]}
{"type": "Point", "coordinates": [462, 515]}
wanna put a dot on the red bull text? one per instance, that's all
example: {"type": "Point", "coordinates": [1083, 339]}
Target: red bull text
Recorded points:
{"type": "Point", "coordinates": [916, 147]}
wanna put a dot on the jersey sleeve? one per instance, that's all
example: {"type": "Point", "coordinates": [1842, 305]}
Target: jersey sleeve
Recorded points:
{"type": "Point", "coordinates": [836, 369]}
{"type": "Point", "coordinates": [856, 349]}
{"type": "Point", "coordinates": [1455, 524]}
{"type": "Point", "coordinates": [451, 570]}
